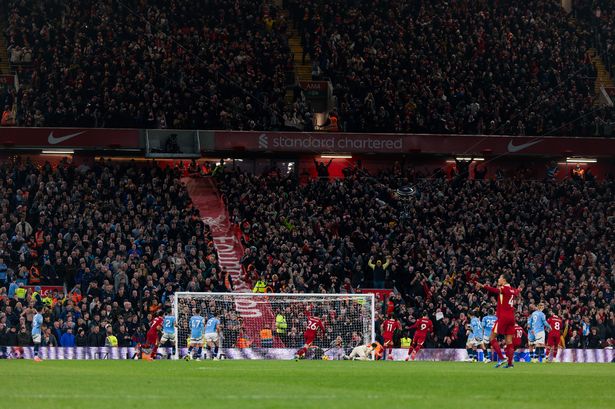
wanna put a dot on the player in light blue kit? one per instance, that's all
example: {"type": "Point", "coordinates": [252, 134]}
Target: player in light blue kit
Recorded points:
{"type": "Point", "coordinates": [474, 337]}
{"type": "Point", "coordinates": [168, 332]}
{"type": "Point", "coordinates": [537, 323]}
{"type": "Point", "coordinates": [197, 326]}
{"type": "Point", "coordinates": [37, 323]}
{"type": "Point", "coordinates": [212, 335]}
{"type": "Point", "coordinates": [488, 322]}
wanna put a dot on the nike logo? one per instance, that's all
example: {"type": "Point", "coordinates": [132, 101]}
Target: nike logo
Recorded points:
{"type": "Point", "coordinates": [54, 141]}
{"type": "Point", "coordinates": [512, 148]}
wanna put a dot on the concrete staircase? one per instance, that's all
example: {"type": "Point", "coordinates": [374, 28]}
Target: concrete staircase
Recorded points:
{"type": "Point", "coordinates": [603, 77]}
{"type": "Point", "coordinates": [303, 72]}
{"type": "Point", "coordinates": [5, 67]}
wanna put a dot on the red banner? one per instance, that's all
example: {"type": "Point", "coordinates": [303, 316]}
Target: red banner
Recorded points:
{"type": "Point", "coordinates": [47, 289]}
{"type": "Point", "coordinates": [380, 294]}
{"type": "Point", "coordinates": [49, 138]}
{"type": "Point", "coordinates": [315, 142]}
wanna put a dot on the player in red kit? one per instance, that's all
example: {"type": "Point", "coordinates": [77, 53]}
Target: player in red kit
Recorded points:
{"type": "Point", "coordinates": [151, 338]}
{"type": "Point", "coordinates": [387, 329]}
{"type": "Point", "coordinates": [519, 333]}
{"type": "Point", "coordinates": [505, 314]}
{"type": "Point", "coordinates": [314, 325]}
{"type": "Point", "coordinates": [553, 339]}
{"type": "Point", "coordinates": [423, 327]}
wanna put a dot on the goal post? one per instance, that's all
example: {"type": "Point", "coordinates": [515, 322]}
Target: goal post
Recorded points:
{"type": "Point", "coordinates": [271, 325]}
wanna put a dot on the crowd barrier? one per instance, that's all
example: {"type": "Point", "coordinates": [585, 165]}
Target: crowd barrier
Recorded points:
{"type": "Point", "coordinates": [445, 354]}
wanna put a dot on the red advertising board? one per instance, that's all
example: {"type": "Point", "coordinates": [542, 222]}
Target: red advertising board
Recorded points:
{"type": "Point", "coordinates": [315, 142]}
{"type": "Point", "coordinates": [49, 138]}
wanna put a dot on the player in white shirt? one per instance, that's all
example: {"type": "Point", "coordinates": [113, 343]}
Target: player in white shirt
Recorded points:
{"type": "Point", "coordinates": [362, 352]}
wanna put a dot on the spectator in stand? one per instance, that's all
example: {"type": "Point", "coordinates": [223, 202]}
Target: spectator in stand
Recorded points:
{"type": "Point", "coordinates": [215, 66]}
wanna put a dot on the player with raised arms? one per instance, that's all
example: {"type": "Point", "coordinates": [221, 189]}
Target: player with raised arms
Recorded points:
{"type": "Point", "coordinates": [387, 329]}
{"type": "Point", "coordinates": [505, 313]}
{"type": "Point", "coordinates": [168, 332]}
{"type": "Point", "coordinates": [475, 336]}
{"type": "Point", "coordinates": [212, 335]}
{"type": "Point", "coordinates": [553, 341]}
{"type": "Point", "coordinates": [151, 339]}
{"type": "Point", "coordinates": [197, 326]}
{"type": "Point", "coordinates": [537, 323]}
{"type": "Point", "coordinates": [488, 322]}
{"type": "Point", "coordinates": [314, 325]}
{"type": "Point", "coordinates": [423, 326]}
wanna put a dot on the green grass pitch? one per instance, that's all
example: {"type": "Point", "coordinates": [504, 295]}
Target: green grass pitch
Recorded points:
{"type": "Point", "coordinates": [305, 384]}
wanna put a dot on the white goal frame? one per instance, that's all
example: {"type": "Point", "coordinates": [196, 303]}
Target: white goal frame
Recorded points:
{"type": "Point", "coordinates": [370, 297]}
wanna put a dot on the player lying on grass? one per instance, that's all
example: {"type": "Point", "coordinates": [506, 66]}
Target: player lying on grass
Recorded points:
{"type": "Point", "coordinates": [505, 312]}
{"type": "Point", "coordinates": [362, 352]}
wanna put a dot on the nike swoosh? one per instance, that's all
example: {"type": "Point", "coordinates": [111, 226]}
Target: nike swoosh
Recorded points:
{"type": "Point", "coordinates": [512, 148]}
{"type": "Point", "coordinates": [54, 141]}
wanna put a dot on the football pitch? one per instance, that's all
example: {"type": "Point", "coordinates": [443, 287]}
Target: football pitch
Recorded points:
{"type": "Point", "coordinates": [305, 384]}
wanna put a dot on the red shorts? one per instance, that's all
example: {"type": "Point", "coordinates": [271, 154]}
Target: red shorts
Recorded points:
{"type": "Point", "coordinates": [309, 338]}
{"type": "Point", "coordinates": [553, 340]}
{"type": "Point", "coordinates": [505, 326]}
{"type": "Point", "coordinates": [387, 339]}
{"type": "Point", "coordinates": [151, 338]}
{"type": "Point", "coordinates": [419, 339]}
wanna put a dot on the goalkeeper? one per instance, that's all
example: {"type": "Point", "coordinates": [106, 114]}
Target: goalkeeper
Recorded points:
{"type": "Point", "coordinates": [362, 352]}
{"type": "Point", "coordinates": [336, 349]}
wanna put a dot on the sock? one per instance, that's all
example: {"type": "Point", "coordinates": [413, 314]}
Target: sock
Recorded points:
{"type": "Point", "coordinates": [548, 352]}
{"type": "Point", "coordinates": [510, 353]}
{"type": "Point", "coordinates": [540, 353]}
{"type": "Point", "coordinates": [154, 351]}
{"type": "Point", "coordinates": [416, 350]}
{"type": "Point", "coordinates": [36, 348]}
{"type": "Point", "coordinates": [555, 352]}
{"type": "Point", "coordinates": [302, 351]}
{"type": "Point", "coordinates": [495, 347]}
{"type": "Point", "coordinates": [390, 352]}
{"type": "Point", "coordinates": [199, 352]}
{"type": "Point", "coordinates": [469, 350]}
{"type": "Point", "coordinates": [410, 351]}
{"type": "Point", "coordinates": [216, 350]}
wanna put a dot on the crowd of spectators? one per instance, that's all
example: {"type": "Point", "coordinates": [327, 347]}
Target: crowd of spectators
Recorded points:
{"type": "Point", "coordinates": [149, 64]}
{"type": "Point", "coordinates": [555, 238]}
{"type": "Point", "coordinates": [478, 67]}
{"type": "Point", "coordinates": [120, 238]}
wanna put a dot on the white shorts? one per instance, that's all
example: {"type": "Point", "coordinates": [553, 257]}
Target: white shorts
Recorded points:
{"type": "Point", "coordinates": [211, 337]}
{"type": "Point", "coordinates": [474, 342]}
{"type": "Point", "coordinates": [539, 338]}
{"type": "Point", "coordinates": [486, 340]}
{"type": "Point", "coordinates": [36, 338]}
{"type": "Point", "coordinates": [198, 340]}
{"type": "Point", "coordinates": [167, 337]}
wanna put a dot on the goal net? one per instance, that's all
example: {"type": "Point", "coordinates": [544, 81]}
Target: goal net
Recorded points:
{"type": "Point", "coordinates": [271, 326]}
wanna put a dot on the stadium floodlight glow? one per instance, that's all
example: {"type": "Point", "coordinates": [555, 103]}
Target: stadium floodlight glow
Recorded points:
{"type": "Point", "coordinates": [466, 158]}
{"type": "Point", "coordinates": [335, 156]}
{"type": "Point", "coordinates": [58, 152]}
{"type": "Point", "coordinates": [581, 160]}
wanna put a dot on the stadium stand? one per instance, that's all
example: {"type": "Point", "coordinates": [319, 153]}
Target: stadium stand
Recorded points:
{"type": "Point", "coordinates": [122, 247]}
{"type": "Point", "coordinates": [154, 64]}
{"type": "Point", "coordinates": [476, 67]}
